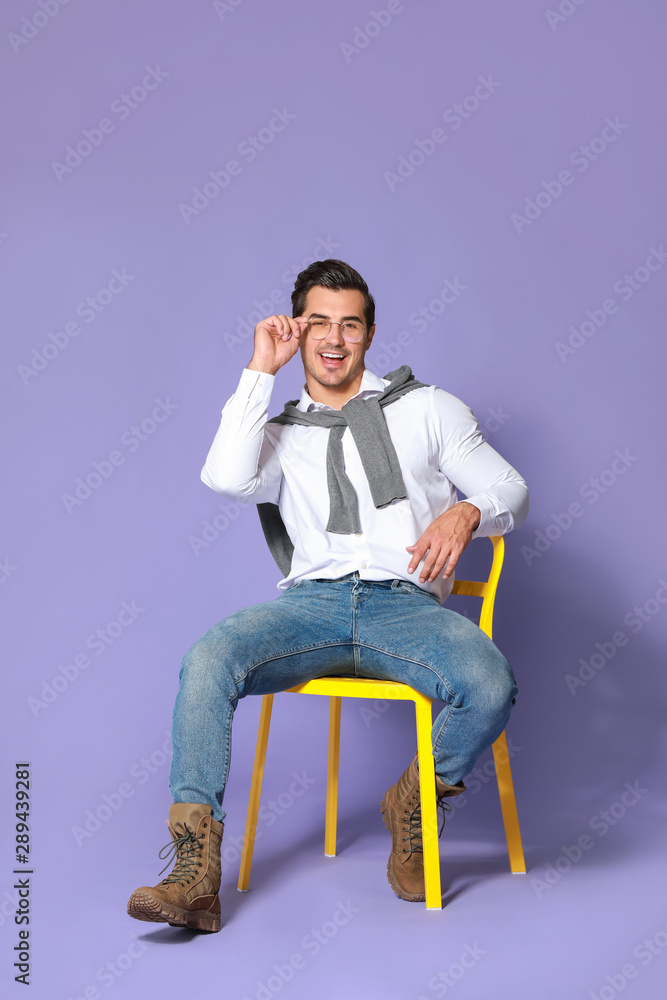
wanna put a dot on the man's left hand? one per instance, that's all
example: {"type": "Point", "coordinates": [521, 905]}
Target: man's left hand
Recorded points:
{"type": "Point", "coordinates": [444, 540]}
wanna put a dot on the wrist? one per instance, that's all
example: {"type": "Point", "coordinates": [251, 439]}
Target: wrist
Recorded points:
{"type": "Point", "coordinates": [474, 513]}
{"type": "Point", "coordinates": [254, 365]}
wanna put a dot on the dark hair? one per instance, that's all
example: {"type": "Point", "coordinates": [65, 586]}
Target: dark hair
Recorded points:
{"type": "Point", "coordinates": [334, 274]}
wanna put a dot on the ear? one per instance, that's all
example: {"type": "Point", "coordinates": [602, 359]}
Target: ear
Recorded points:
{"type": "Point", "coordinates": [371, 332]}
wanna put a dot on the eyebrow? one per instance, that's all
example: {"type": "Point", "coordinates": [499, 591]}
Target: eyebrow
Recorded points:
{"type": "Point", "coordinates": [324, 316]}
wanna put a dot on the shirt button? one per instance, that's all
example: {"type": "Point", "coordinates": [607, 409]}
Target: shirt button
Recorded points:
{"type": "Point", "coordinates": [364, 565]}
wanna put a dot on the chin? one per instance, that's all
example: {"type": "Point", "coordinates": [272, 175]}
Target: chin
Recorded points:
{"type": "Point", "coordinates": [329, 378]}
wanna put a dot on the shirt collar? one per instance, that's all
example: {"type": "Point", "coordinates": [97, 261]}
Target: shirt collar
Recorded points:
{"type": "Point", "coordinates": [371, 385]}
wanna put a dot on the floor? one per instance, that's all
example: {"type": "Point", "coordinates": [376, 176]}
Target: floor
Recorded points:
{"type": "Point", "coordinates": [587, 921]}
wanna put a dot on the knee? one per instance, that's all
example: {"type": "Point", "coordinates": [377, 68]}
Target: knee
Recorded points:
{"type": "Point", "coordinates": [194, 661]}
{"type": "Point", "coordinates": [501, 689]}
{"type": "Point", "coordinates": [493, 688]}
{"type": "Point", "coordinates": [196, 676]}
{"type": "Point", "coordinates": [204, 668]}
{"type": "Point", "coordinates": [218, 661]}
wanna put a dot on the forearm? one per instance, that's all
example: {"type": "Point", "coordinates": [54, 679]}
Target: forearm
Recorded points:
{"type": "Point", "coordinates": [232, 466]}
{"type": "Point", "coordinates": [503, 505]}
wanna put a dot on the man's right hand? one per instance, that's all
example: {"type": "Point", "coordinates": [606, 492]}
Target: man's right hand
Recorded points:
{"type": "Point", "coordinates": [277, 340]}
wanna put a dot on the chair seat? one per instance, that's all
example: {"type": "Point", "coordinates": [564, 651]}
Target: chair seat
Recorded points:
{"type": "Point", "coordinates": [351, 686]}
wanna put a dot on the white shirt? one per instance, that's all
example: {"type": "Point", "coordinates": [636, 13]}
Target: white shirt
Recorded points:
{"type": "Point", "coordinates": [439, 447]}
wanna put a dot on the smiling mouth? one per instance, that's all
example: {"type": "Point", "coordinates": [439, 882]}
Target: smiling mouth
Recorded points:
{"type": "Point", "coordinates": [332, 359]}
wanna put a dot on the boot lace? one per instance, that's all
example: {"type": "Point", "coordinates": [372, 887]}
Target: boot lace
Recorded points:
{"type": "Point", "coordinates": [414, 827]}
{"type": "Point", "coordinates": [185, 848]}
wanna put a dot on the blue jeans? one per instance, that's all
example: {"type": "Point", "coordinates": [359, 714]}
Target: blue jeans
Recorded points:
{"type": "Point", "coordinates": [391, 630]}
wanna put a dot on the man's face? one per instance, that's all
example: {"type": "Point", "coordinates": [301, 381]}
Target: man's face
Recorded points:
{"type": "Point", "coordinates": [339, 306]}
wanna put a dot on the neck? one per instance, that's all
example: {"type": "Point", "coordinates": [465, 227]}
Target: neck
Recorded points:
{"type": "Point", "coordinates": [333, 395]}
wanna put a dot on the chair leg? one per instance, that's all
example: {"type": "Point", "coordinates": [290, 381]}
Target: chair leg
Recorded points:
{"type": "Point", "coordinates": [255, 792]}
{"type": "Point", "coordinates": [429, 809]}
{"type": "Point", "coordinates": [508, 806]}
{"type": "Point", "coordinates": [332, 777]}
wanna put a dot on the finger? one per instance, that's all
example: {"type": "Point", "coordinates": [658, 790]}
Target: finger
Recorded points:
{"type": "Point", "coordinates": [301, 325]}
{"type": "Point", "coordinates": [416, 558]}
{"type": "Point", "coordinates": [438, 565]}
{"type": "Point", "coordinates": [297, 324]}
{"type": "Point", "coordinates": [453, 559]}
{"type": "Point", "coordinates": [269, 323]}
{"type": "Point", "coordinates": [421, 549]}
{"type": "Point", "coordinates": [430, 562]}
{"type": "Point", "coordinates": [275, 326]}
{"type": "Point", "coordinates": [285, 327]}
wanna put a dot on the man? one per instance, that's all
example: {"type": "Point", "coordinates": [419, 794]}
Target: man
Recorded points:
{"type": "Point", "coordinates": [355, 484]}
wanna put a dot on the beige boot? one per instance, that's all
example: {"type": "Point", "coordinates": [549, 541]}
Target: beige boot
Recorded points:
{"type": "Point", "coordinates": [188, 897]}
{"type": "Point", "coordinates": [401, 811]}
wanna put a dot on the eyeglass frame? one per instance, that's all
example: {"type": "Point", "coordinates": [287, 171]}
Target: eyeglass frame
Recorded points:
{"type": "Point", "coordinates": [335, 322]}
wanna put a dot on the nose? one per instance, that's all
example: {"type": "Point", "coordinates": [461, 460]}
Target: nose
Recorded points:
{"type": "Point", "coordinates": [335, 338]}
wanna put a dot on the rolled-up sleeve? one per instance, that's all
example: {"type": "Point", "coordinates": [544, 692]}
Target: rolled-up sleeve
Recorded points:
{"type": "Point", "coordinates": [476, 469]}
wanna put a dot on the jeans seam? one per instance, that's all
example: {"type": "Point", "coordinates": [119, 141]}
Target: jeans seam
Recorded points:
{"type": "Point", "coordinates": [290, 652]}
{"type": "Point", "coordinates": [409, 587]}
{"type": "Point", "coordinates": [228, 752]}
{"type": "Point", "coordinates": [409, 659]}
{"type": "Point", "coordinates": [355, 638]}
{"type": "Point", "coordinates": [441, 730]}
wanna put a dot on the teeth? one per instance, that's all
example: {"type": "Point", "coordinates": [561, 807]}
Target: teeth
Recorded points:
{"type": "Point", "coordinates": [327, 355]}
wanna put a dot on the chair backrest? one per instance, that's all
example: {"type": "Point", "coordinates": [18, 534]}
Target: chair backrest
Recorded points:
{"type": "Point", "coordinates": [485, 589]}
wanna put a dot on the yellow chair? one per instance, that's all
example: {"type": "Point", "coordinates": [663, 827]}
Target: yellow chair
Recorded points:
{"type": "Point", "coordinates": [358, 687]}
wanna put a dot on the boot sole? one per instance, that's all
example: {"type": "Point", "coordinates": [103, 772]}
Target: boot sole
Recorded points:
{"type": "Point", "coordinates": [144, 906]}
{"type": "Point", "coordinates": [411, 897]}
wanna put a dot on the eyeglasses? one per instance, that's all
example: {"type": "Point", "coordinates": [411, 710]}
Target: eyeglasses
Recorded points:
{"type": "Point", "coordinates": [351, 329]}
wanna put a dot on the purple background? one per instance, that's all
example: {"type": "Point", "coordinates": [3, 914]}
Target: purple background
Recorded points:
{"type": "Point", "coordinates": [319, 188]}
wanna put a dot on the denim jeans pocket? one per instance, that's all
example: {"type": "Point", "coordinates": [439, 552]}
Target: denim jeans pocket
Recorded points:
{"type": "Point", "coordinates": [406, 587]}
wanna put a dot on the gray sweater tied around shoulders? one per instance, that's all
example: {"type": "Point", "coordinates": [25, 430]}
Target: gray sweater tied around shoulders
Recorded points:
{"type": "Point", "coordinates": [378, 456]}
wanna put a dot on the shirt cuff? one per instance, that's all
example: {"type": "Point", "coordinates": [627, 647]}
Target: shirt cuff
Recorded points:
{"type": "Point", "coordinates": [252, 381]}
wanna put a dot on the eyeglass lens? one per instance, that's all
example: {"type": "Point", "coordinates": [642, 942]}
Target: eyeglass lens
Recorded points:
{"type": "Point", "coordinates": [351, 330]}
